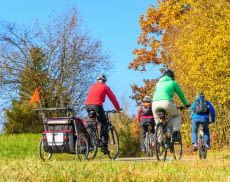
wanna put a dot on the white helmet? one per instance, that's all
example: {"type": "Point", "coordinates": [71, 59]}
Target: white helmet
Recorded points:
{"type": "Point", "coordinates": [147, 99]}
{"type": "Point", "coordinates": [102, 77]}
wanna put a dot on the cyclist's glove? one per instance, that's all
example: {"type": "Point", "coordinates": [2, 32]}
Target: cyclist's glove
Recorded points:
{"type": "Point", "coordinates": [187, 106]}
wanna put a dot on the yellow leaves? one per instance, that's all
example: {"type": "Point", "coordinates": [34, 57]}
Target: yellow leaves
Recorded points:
{"type": "Point", "coordinates": [196, 38]}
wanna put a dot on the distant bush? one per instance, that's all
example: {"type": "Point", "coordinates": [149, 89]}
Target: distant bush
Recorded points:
{"type": "Point", "coordinates": [21, 118]}
{"type": "Point", "coordinates": [129, 134]}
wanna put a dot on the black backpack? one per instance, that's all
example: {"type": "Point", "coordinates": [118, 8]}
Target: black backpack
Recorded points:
{"type": "Point", "coordinates": [201, 107]}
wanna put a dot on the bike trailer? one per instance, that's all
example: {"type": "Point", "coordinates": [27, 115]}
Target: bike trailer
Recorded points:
{"type": "Point", "coordinates": [58, 136]}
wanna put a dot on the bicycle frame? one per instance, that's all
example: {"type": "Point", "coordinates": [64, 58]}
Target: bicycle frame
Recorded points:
{"type": "Point", "coordinates": [97, 131]}
{"type": "Point", "coordinates": [165, 138]}
{"type": "Point", "coordinates": [96, 138]}
{"type": "Point", "coordinates": [201, 130]}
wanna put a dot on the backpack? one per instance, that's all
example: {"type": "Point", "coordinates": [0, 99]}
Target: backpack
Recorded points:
{"type": "Point", "coordinates": [201, 107]}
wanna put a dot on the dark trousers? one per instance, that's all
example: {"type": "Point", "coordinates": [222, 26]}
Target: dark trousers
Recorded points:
{"type": "Point", "coordinates": [102, 120]}
{"type": "Point", "coordinates": [144, 128]}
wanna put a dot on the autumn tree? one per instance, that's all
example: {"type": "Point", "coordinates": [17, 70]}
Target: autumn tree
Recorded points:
{"type": "Point", "coordinates": [60, 59]}
{"type": "Point", "coordinates": [191, 37]}
{"type": "Point", "coordinates": [71, 58]}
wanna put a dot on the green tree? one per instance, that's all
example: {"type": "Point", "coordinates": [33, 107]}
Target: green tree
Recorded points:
{"type": "Point", "coordinates": [21, 116]}
{"type": "Point", "coordinates": [22, 119]}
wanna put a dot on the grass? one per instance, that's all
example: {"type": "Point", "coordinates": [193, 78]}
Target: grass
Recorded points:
{"type": "Point", "coordinates": [19, 162]}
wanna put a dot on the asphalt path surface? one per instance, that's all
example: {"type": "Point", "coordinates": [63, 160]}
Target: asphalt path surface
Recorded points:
{"type": "Point", "coordinates": [148, 159]}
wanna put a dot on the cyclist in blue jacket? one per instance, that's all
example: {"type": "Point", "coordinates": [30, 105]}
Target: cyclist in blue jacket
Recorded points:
{"type": "Point", "coordinates": [202, 111]}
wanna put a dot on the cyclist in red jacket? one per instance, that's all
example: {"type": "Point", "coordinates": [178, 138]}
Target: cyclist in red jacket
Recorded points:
{"type": "Point", "coordinates": [94, 101]}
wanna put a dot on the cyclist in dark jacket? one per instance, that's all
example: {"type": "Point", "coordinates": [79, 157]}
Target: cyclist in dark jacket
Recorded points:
{"type": "Point", "coordinates": [144, 116]}
{"type": "Point", "coordinates": [205, 117]}
{"type": "Point", "coordinates": [94, 101]}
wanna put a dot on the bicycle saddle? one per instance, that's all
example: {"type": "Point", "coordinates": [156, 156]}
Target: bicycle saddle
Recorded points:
{"type": "Point", "coordinates": [161, 113]}
{"type": "Point", "coordinates": [92, 113]}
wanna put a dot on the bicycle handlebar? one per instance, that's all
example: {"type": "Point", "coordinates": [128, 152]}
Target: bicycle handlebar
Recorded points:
{"type": "Point", "coordinates": [112, 111]}
{"type": "Point", "coordinates": [54, 109]}
{"type": "Point", "coordinates": [182, 107]}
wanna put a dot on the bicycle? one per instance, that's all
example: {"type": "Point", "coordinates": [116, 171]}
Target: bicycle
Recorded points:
{"type": "Point", "coordinates": [95, 140]}
{"type": "Point", "coordinates": [164, 140]}
{"type": "Point", "coordinates": [201, 144]}
{"type": "Point", "coordinates": [149, 141]}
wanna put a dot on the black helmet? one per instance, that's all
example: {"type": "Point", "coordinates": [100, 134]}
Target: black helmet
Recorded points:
{"type": "Point", "coordinates": [169, 73]}
{"type": "Point", "coordinates": [102, 77]}
{"type": "Point", "coordinates": [147, 99]}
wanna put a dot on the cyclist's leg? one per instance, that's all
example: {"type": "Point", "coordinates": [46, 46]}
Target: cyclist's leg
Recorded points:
{"type": "Point", "coordinates": [155, 106]}
{"type": "Point", "coordinates": [167, 106]}
{"type": "Point", "coordinates": [206, 134]}
{"type": "Point", "coordinates": [195, 125]}
{"type": "Point", "coordinates": [175, 122]}
{"type": "Point", "coordinates": [175, 116]}
{"type": "Point", "coordinates": [104, 125]}
{"type": "Point", "coordinates": [153, 124]}
{"type": "Point", "coordinates": [171, 110]}
{"type": "Point", "coordinates": [144, 130]}
{"type": "Point", "coordinates": [91, 121]}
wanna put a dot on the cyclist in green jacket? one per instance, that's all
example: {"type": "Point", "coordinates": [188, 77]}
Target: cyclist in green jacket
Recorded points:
{"type": "Point", "coordinates": [163, 98]}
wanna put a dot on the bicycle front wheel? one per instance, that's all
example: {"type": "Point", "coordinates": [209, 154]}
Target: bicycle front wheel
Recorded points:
{"type": "Point", "coordinates": [160, 138]}
{"type": "Point", "coordinates": [113, 143]}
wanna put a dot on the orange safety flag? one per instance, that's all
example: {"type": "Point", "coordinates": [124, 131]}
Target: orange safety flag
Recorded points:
{"type": "Point", "coordinates": [35, 98]}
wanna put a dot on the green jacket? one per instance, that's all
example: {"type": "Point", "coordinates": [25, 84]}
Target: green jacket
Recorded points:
{"type": "Point", "coordinates": [165, 89]}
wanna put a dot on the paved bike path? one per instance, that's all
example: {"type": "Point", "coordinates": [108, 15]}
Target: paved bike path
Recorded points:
{"type": "Point", "coordinates": [147, 159]}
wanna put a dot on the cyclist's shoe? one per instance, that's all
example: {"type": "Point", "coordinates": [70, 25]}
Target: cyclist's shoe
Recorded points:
{"type": "Point", "coordinates": [195, 146]}
{"type": "Point", "coordinates": [207, 146]}
{"type": "Point", "coordinates": [153, 144]}
{"type": "Point", "coordinates": [143, 149]}
{"type": "Point", "coordinates": [91, 148]}
{"type": "Point", "coordinates": [105, 150]}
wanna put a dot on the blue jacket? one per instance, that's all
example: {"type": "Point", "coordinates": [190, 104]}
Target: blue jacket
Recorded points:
{"type": "Point", "coordinates": [203, 117]}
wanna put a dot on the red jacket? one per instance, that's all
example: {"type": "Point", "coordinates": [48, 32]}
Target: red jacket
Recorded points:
{"type": "Point", "coordinates": [97, 94]}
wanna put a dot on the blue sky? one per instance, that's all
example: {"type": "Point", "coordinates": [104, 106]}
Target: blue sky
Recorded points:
{"type": "Point", "coordinates": [114, 22]}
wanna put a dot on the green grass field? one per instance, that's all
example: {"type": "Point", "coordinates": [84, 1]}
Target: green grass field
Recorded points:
{"type": "Point", "coordinates": [19, 162]}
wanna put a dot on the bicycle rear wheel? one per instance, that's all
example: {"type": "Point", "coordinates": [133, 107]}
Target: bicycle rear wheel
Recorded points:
{"type": "Point", "coordinates": [113, 143]}
{"type": "Point", "coordinates": [92, 141]}
{"type": "Point", "coordinates": [177, 147]}
{"type": "Point", "coordinates": [81, 147]}
{"type": "Point", "coordinates": [201, 148]}
{"type": "Point", "coordinates": [160, 138]}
